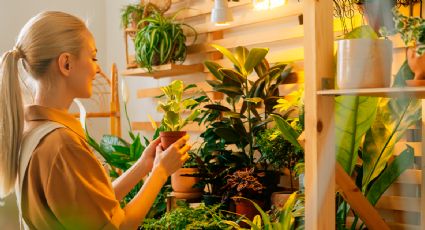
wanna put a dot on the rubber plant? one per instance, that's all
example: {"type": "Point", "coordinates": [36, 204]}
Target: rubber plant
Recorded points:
{"type": "Point", "coordinates": [162, 40]}
{"type": "Point", "coordinates": [368, 128]}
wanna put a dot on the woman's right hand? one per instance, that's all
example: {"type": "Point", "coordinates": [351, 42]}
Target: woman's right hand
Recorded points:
{"type": "Point", "coordinates": [174, 156]}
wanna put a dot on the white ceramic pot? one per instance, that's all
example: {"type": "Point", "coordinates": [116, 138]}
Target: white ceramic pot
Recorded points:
{"type": "Point", "coordinates": [364, 63]}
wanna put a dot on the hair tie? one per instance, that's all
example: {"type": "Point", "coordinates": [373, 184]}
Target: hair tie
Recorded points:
{"type": "Point", "coordinates": [18, 51]}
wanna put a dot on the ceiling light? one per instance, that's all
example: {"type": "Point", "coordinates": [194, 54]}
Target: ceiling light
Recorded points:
{"type": "Point", "coordinates": [221, 14]}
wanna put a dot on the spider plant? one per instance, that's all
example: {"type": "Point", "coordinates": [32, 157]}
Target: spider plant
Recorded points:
{"type": "Point", "coordinates": [161, 41]}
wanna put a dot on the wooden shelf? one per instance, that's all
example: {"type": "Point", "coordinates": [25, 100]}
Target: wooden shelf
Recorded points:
{"type": "Point", "coordinates": [162, 71]}
{"type": "Point", "coordinates": [418, 92]}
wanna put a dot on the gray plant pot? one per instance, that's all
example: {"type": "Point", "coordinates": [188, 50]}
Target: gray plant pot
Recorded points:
{"type": "Point", "coordinates": [364, 63]}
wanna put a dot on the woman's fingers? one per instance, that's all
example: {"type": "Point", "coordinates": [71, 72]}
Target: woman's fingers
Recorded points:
{"type": "Point", "coordinates": [182, 141]}
{"type": "Point", "coordinates": [184, 158]}
{"type": "Point", "coordinates": [184, 149]}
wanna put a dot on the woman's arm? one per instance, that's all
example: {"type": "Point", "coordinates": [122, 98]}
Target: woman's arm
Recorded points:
{"type": "Point", "coordinates": [169, 161]}
{"type": "Point", "coordinates": [123, 184]}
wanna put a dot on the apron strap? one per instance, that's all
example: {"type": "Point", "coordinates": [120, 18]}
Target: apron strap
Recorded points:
{"type": "Point", "coordinates": [29, 143]}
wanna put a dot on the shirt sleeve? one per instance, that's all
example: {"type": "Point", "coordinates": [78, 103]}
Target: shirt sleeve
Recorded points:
{"type": "Point", "coordinates": [79, 192]}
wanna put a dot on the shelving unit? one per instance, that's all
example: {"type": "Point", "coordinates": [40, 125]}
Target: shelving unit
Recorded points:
{"type": "Point", "coordinates": [162, 71]}
{"type": "Point", "coordinates": [323, 174]}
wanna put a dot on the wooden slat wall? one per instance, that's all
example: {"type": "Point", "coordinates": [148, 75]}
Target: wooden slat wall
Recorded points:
{"type": "Point", "coordinates": [278, 29]}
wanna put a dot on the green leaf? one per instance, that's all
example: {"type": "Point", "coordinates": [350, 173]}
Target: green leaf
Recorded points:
{"type": "Point", "coordinates": [390, 174]}
{"type": "Point", "coordinates": [254, 100]}
{"type": "Point", "coordinates": [365, 31]}
{"type": "Point", "coordinates": [232, 91]}
{"type": "Point", "coordinates": [227, 134]}
{"type": "Point", "coordinates": [255, 57]}
{"type": "Point", "coordinates": [353, 118]}
{"type": "Point", "coordinates": [217, 107]}
{"type": "Point", "coordinates": [213, 68]}
{"type": "Point", "coordinates": [286, 130]}
{"type": "Point", "coordinates": [241, 54]}
{"type": "Point", "coordinates": [232, 74]}
{"type": "Point", "coordinates": [286, 219]}
{"type": "Point", "coordinates": [227, 54]}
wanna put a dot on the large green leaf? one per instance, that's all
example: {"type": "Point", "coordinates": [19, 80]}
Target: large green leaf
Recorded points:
{"type": "Point", "coordinates": [353, 117]}
{"type": "Point", "coordinates": [402, 162]}
{"type": "Point", "coordinates": [255, 57]}
{"type": "Point", "coordinates": [241, 54]}
{"type": "Point", "coordinates": [365, 31]}
{"type": "Point", "coordinates": [286, 129]}
{"type": "Point", "coordinates": [227, 134]}
{"type": "Point", "coordinates": [392, 120]}
{"type": "Point", "coordinates": [213, 68]}
{"type": "Point", "coordinates": [227, 54]}
{"type": "Point", "coordinates": [232, 74]}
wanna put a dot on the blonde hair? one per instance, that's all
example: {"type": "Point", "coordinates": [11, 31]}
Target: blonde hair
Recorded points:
{"type": "Point", "coordinates": [43, 38]}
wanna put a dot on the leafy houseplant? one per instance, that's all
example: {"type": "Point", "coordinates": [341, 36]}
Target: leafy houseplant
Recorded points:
{"type": "Point", "coordinates": [185, 217]}
{"type": "Point", "coordinates": [161, 41]}
{"type": "Point", "coordinates": [412, 31]}
{"type": "Point", "coordinates": [173, 108]}
{"type": "Point", "coordinates": [132, 14]}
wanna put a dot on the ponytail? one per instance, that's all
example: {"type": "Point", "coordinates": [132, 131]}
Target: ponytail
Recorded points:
{"type": "Point", "coordinates": [11, 121]}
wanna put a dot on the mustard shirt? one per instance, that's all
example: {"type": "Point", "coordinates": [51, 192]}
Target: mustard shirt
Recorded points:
{"type": "Point", "coordinates": [65, 186]}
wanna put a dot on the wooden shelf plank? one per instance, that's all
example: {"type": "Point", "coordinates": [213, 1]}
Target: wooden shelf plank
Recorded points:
{"type": "Point", "coordinates": [400, 203]}
{"type": "Point", "coordinates": [199, 10]}
{"type": "Point", "coordinates": [410, 176]}
{"type": "Point", "coordinates": [418, 92]}
{"type": "Point", "coordinates": [147, 126]}
{"type": "Point", "coordinates": [163, 71]}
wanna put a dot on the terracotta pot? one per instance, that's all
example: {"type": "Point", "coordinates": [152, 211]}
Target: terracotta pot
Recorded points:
{"type": "Point", "coordinates": [416, 64]}
{"type": "Point", "coordinates": [364, 63]}
{"type": "Point", "coordinates": [278, 199]}
{"type": "Point", "coordinates": [246, 208]}
{"type": "Point", "coordinates": [168, 138]}
{"type": "Point", "coordinates": [183, 185]}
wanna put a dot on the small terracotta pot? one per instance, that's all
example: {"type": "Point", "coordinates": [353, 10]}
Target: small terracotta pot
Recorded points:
{"type": "Point", "coordinates": [416, 64]}
{"type": "Point", "coordinates": [168, 138]}
{"type": "Point", "coordinates": [246, 208]}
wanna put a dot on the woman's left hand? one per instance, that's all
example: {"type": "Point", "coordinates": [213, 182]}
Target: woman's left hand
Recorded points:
{"type": "Point", "coordinates": [148, 156]}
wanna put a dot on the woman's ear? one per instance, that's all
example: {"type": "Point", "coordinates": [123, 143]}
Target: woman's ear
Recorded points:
{"type": "Point", "coordinates": [64, 63]}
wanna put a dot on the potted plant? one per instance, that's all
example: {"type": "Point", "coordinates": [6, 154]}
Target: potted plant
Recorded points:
{"type": "Point", "coordinates": [412, 31]}
{"type": "Point", "coordinates": [185, 181]}
{"type": "Point", "coordinates": [245, 183]}
{"type": "Point", "coordinates": [132, 14]}
{"type": "Point", "coordinates": [173, 107]}
{"type": "Point", "coordinates": [161, 41]}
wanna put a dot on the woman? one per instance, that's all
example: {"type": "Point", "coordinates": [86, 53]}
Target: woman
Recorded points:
{"type": "Point", "coordinates": [62, 185]}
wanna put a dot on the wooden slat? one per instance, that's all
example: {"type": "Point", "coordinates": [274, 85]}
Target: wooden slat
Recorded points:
{"type": "Point", "coordinates": [410, 176]}
{"type": "Point", "coordinates": [290, 10]}
{"type": "Point", "coordinates": [410, 204]}
{"type": "Point", "coordinates": [357, 201]}
{"type": "Point", "coordinates": [399, 226]}
{"type": "Point", "coordinates": [162, 71]}
{"type": "Point", "coordinates": [417, 92]}
{"type": "Point", "coordinates": [199, 9]}
{"type": "Point", "coordinates": [147, 126]}
{"type": "Point", "coordinates": [395, 216]}
{"type": "Point", "coordinates": [422, 201]}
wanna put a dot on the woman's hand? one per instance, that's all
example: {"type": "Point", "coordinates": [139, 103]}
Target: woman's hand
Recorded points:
{"type": "Point", "coordinates": [149, 154]}
{"type": "Point", "coordinates": [174, 156]}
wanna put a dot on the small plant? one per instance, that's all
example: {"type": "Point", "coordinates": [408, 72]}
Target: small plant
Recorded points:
{"type": "Point", "coordinates": [132, 13]}
{"type": "Point", "coordinates": [244, 183]}
{"type": "Point", "coordinates": [174, 106]}
{"type": "Point", "coordinates": [185, 217]}
{"type": "Point", "coordinates": [161, 41]}
{"type": "Point", "coordinates": [412, 30]}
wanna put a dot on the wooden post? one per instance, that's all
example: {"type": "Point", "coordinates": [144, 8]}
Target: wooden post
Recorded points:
{"type": "Point", "coordinates": [422, 223]}
{"type": "Point", "coordinates": [358, 202]}
{"type": "Point", "coordinates": [115, 104]}
{"type": "Point", "coordinates": [319, 116]}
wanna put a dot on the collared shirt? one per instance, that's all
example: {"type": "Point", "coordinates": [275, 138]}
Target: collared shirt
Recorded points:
{"type": "Point", "coordinates": [65, 186]}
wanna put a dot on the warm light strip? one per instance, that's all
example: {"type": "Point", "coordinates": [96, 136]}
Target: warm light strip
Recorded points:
{"type": "Point", "coordinates": [267, 4]}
